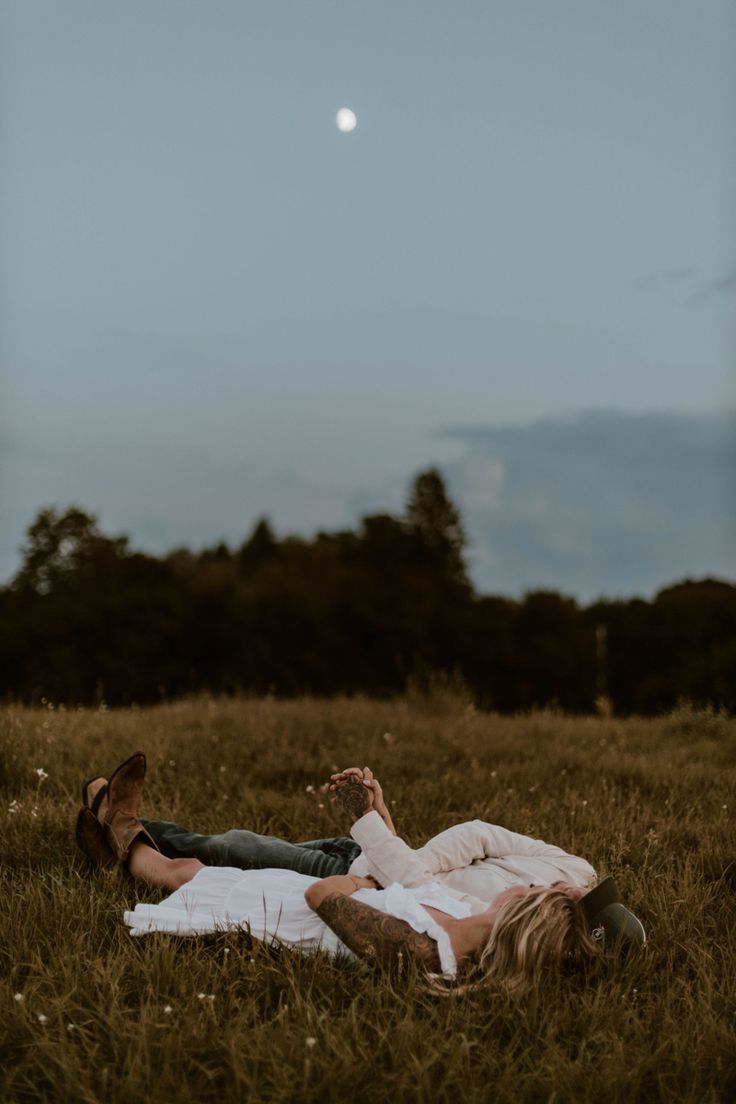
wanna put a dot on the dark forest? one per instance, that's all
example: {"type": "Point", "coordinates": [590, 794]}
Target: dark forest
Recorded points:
{"type": "Point", "coordinates": [373, 611]}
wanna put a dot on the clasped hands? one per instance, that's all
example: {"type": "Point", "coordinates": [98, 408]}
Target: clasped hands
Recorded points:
{"type": "Point", "coordinates": [358, 791]}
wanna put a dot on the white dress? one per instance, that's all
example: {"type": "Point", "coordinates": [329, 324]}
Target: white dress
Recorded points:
{"type": "Point", "coordinates": [270, 905]}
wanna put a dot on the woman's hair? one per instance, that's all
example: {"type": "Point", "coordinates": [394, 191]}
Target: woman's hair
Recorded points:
{"type": "Point", "coordinates": [533, 935]}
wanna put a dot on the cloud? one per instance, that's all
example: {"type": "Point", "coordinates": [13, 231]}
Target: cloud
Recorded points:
{"type": "Point", "coordinates": [604, 502]}
{"type": "Point", "coordinates": [685, 285]}
{"type": "Point", "coordinates": [662, 281]}
{"type": "Point", "coordinates": [725, 283]}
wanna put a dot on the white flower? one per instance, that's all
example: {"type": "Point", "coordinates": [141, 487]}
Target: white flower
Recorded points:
{"type": "Point", "coordinates": [168, 1010]}
{"type": "Point", "coordinates": [71, 1028]}
{"type": "Point", "coordinates": [41, 774]}
{"type": "Point", "coordinates": [201, 996]}
{"type": "Point", "coordinates": [18, 997]}
{"type": "Point", "coordinates": [42, 1019]}
{"type": "Point", "coordinates": [309, 789]}
{"type": "Point", "coordinates": [310, 1041]}
{"type": "Point", "coordinates": [226, 951]}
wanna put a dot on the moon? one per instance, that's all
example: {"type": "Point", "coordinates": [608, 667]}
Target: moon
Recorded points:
{"type": "Point", "coordinates": [346, 120]}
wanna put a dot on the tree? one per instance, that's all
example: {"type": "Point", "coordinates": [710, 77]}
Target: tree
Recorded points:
{"type": "Point", "coordinates": [259, 546]}
{"type": "Point", "coordinates": [432, 516]}
{"type": "Point", "coordinates": [58, 545]}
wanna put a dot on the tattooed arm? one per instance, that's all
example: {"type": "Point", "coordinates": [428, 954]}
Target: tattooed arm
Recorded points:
{"type": "Point", "coordinates": [370, 934]}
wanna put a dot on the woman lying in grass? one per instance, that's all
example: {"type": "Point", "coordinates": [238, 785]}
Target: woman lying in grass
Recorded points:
{"type": "Point", "coordinates": [524, 931]}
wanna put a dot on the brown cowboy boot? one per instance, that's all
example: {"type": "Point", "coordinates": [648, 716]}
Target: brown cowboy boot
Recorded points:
{"type": "Point", "coordinates": [91, 840]}
{"type": "Point", "coordinates": [124, 794]}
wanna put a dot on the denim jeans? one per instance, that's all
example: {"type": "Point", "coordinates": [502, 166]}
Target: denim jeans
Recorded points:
{"type": "Point", "coordinates": [248, 850]}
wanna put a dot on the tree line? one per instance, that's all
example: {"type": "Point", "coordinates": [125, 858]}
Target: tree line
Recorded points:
{"type": "Point", "coordinates": [371, 610]}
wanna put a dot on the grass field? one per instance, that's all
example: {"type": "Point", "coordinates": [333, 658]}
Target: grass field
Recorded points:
{"type": "Point", "coordinates": [87, 1014]}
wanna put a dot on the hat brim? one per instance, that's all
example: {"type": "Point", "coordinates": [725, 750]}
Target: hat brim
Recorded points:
{"type": "Point", "coordinates": [608, 917]}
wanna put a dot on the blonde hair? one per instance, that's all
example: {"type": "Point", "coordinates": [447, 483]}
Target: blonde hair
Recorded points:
{"type": "Point", "coordinates": [533, 935]}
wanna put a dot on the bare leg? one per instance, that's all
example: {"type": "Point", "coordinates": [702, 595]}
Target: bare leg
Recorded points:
{"type": "Point", "coordinates": [148, 865]}
{"type": "Point", "coordinates": [156, 870]}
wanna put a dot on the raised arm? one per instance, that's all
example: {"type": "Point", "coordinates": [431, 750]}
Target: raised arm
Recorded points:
{"type": "Point", "coordinates": [384, 854]}
{"type": "Point", "coordinates": [464, 844]}
{"type": "Point", "coordinates": [373, 936]}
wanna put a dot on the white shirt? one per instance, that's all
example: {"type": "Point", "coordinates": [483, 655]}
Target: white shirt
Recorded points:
{"type": "Point", "coordinates": [473, 861]}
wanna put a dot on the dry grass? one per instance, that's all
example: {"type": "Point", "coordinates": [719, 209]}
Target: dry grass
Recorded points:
{"type": "Point", "coordinates": [650, 801]}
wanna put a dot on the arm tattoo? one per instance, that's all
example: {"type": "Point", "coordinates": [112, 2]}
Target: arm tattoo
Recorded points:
{"type": "Point", "coordinates": [376, 937]}
{"type": "Point", "coordinates": [354, 798]}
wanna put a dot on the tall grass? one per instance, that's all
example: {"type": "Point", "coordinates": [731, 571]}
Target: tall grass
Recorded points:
{"type": "Point", "coordinates": [88, 1014]}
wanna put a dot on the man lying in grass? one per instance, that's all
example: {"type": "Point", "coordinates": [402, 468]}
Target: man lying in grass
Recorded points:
{"type": "Point", "coordinates": [524, 929]}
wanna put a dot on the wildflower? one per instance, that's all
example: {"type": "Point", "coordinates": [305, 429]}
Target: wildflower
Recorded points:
{"type": "Point", "coordinates": [41, 774]}
{"type": "Point", "coordinates": [584, 802]}
{"type": "Point", "coordinates": [14, 806]}
{"type": "Point", "coordinates": [71, 1028]}
{"type": "Point", "coordinates": [42, 1019]}
{"type": "Point", "coordinates": [18, 997]}
{"type": "Point", "coordinates": [310, 1041]}
{"type": "Point", "coordinates": [223, 768]}
{"type": "Point", "coordinates": [309, 789]}
{"type": "Point", "coordinates": [493, 774]}
{"type": "Point", "coordinates": [168, 1010]}
{"type": "Point", "coordinates": [172, 762]}
{"type": "Point", "coordinates": [201, 996]}
{"type": "Point", "coordinates": [320, 805]}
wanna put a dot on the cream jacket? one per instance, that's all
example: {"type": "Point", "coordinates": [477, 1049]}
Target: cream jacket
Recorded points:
{"type": "Point", "coordinates": [474, 861]}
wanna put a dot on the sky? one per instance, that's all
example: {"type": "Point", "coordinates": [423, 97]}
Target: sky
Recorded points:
{"type": "Point", "coordinates": [520, 267]}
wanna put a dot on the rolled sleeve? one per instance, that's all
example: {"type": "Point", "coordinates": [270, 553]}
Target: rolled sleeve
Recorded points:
{"type": "Point", "coordinates": [389, 858]}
